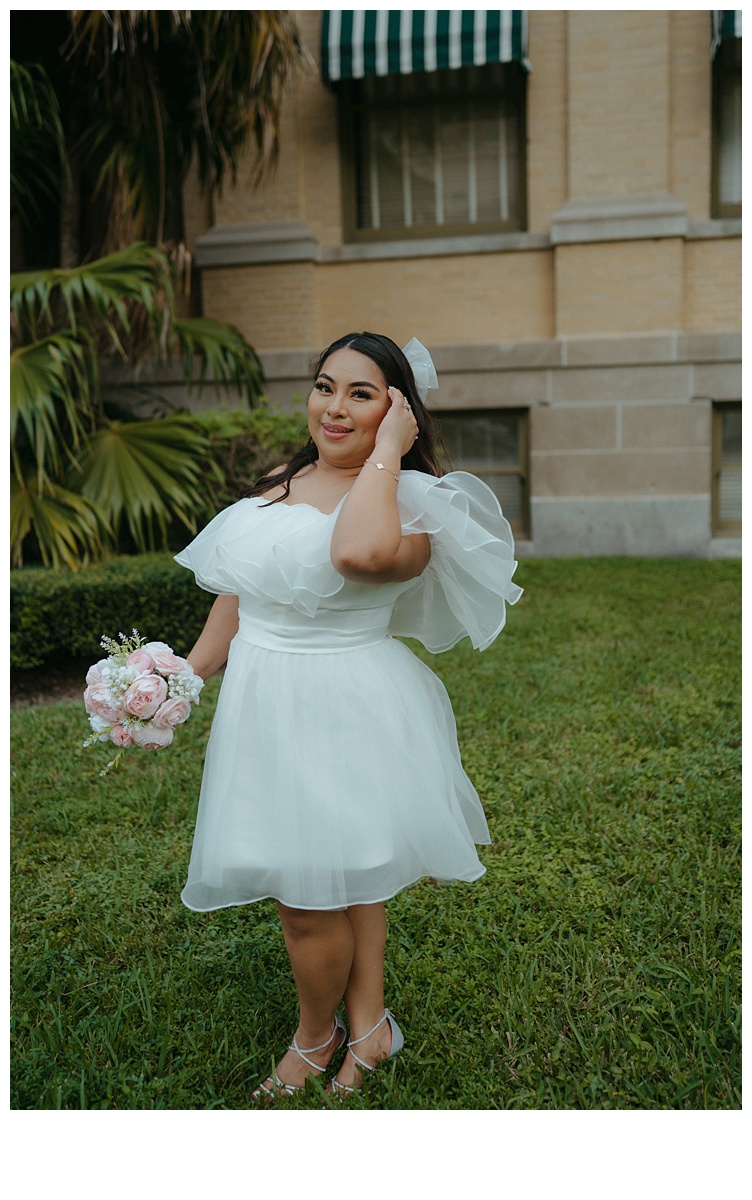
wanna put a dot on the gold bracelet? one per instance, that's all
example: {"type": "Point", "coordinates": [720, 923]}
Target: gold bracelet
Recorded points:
{"type": "Point", "coordinates": [381, 467]}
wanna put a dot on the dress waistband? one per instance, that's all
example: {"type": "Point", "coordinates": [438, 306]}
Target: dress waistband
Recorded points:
{"type": "Point", "coordinates": [315, 642]}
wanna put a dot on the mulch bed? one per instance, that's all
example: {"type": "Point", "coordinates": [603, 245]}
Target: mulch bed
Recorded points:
{"type": "Point", "coordinates": [47, 685]}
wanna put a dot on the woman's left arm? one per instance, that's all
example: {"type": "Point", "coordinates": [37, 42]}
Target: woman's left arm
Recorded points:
{"type": "Point", "coordinates": [367, 544]}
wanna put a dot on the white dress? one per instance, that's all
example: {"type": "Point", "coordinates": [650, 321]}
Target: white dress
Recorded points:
{"type": "Point", "coordinates": [333, 775]}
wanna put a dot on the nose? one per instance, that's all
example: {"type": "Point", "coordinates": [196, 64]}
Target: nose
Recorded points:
{"type": "Point", "coordinates": [337, 404]}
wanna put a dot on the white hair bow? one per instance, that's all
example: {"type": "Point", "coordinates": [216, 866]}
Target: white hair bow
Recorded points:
{"type": "Point", "coordinates": [422, 364]}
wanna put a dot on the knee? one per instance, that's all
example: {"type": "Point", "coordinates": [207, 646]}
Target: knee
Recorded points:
{"type": "Point", "coordinates": [298, 923]}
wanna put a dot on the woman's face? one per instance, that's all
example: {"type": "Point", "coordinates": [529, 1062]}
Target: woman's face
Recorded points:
{"type": "Point", "coordinates": [347, 404]}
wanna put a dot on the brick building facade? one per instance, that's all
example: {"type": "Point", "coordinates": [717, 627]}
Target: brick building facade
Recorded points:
{"type": "Point", "coordinates": [557, 218]}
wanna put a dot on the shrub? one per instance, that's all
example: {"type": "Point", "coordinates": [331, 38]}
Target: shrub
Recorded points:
{"type": "Point", "coordinates": [57, 612]}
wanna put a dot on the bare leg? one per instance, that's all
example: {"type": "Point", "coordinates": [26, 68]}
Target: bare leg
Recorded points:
{"type": "Point", "coordinates": [321, 947]}
{"type": "Point", "coordinates": [364, 997]}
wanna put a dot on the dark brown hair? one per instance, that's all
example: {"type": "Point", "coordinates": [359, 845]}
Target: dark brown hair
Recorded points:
{"type": "Point", "coordinates": [422, 455]}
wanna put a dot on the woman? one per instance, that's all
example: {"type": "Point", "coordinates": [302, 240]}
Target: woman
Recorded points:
{"type": "Point", "coordinates": [333, 777]}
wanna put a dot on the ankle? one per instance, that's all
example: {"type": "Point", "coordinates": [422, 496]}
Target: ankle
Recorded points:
{"type": "Point", "coordinates": [370, 1021]}
{"type": "Point", "coordinates": [316, 1035]}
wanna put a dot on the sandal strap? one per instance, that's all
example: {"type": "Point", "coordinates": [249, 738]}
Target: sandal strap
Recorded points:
{"type": "Point", "coordinates": [341, 1087]}
{"type": "Point", "coordinates": [279, 1086]}
{"type": "Point", "coordinates": [312, 1049]}
{"type": "Point", "coordinates": [356, 1041]}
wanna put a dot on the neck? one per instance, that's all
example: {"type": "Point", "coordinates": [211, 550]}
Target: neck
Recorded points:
{"type": "Point", "coordinates": [333, 473]}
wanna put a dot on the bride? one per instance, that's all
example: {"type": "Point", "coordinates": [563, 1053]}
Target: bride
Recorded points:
{"type": "Point", "coordinates": [333, 777]}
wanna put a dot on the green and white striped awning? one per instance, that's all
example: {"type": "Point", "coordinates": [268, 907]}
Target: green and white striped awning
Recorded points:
{"type": "Point", "coordinates": [726, 24]}
{"type": "Point", "coordinates": [358, 42]}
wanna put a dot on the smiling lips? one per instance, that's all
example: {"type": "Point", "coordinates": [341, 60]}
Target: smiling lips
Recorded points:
{"type": "Point", "coordinates": [336, 432]}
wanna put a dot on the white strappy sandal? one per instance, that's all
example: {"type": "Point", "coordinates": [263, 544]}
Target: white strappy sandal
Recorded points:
{"type": "Point", "coordinates": [398, 1041]}
{"type": "Point", "coordinates": [288, 1089]}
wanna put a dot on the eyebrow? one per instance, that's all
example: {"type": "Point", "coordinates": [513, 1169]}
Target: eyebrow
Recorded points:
{"type": "Point", "coordinates": [358, 383]}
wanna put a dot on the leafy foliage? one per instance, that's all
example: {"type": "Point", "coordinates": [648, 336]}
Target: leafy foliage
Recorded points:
{"type": "Point", "coordinates": [56, 614]}
{"type": "Point", "coordinates": [38, 157]}
{"type": "Point", "coordinates": [67, 528]}
{"type": "Point", "coordinates": [100, 481]}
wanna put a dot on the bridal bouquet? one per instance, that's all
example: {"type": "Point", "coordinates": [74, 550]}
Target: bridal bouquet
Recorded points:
{"type": "Point", "coordinates": [138, 694]}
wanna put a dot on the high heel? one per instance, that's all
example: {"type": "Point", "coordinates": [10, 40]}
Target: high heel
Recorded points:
{"type": "Point", "coordinates": [288, 1089]}
{"type": "Point", "coordinates": [398, 1041]}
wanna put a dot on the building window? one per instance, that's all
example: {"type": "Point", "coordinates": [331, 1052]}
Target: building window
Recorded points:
{"type": "Point", "coordinates": [727, 129]}
{"type": "Point", "coordinates": [436, 153]}
{"type": "Point", "coordinates": [727, 470]}
{"type": "Point", "coordinates": [494, 446]}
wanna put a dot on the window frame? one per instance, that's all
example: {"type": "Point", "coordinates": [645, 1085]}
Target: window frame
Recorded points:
{"type": "Point", "coordinates": [520, 526]}
{"type": "Point", "coordinates": [349, 108]}
{"type": "Point", "coordinates": [722, 527]}
{"type": "Point", "coordinates": [726, 64]}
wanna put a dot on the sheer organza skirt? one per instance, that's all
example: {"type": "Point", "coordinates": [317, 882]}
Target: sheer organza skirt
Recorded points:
{"type": "Point", "coordinates": [331, 779]}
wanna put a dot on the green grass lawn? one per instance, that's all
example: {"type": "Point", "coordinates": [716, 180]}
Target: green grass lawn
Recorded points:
{"type": "Point", "coordinates": [595, 966]}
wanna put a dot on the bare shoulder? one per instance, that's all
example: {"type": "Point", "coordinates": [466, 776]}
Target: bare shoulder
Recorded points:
{"type": "Point", "coordinates": [275, 491]}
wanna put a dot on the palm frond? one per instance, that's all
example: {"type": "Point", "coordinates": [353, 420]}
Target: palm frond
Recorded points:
{"type": "Point", "coordinates": [38, 153]}
{"type": "Point", "coordinates": [145, 474]}
{"type": "Point", "coordinates": [165, 88]}
{"type": "Point", "coordinates": [103, 291]}
{"type": "Point", "coordinates": [51, 384]}
{"type": "Point", "coordinates": [67, 528]}
{"type": "Point", "coordinates": [224, 356]}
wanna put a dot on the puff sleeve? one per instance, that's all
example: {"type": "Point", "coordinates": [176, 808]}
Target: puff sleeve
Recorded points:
{"type": "Point", "coordinates": [467, 584]}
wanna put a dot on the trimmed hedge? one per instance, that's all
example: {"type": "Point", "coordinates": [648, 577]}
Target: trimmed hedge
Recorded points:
{"type": "Point", "coordinates": [60, 612]}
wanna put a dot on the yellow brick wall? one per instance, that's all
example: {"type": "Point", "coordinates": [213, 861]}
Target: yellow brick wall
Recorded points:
{"type": "Point", "coordinates": [713, 297]}
{"type": "Point", "coordinates": [689, 143]}
{"type": "Point", "coordinates": [618, 110]}
{"type": "Point", "coordinates": [474, 298]}
{"type": "Point", "coordinates": [619, 287]}
{"type": "Point", "coordinates": [546, 117]}
{"type": "Point", "coordinates": [273, 306]}
{"type": "Point", "coordinates": [618, 104]}
{"type": "Point", "coordinates": [319, 133]}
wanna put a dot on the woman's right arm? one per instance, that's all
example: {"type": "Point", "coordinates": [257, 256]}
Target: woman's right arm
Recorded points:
{"type": "Point", "coordinates": [211, 649]}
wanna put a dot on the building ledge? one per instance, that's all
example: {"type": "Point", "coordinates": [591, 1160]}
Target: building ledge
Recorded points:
{"type": "Point", "coordinates": [471, 243]}
{"type": "Point", "coordinates": [252, 244]}
{"type": "Point", "coordinates": [293, 241]}
{"type": "Point", "coordinates": [619, 219]}
{"type": "Point", "coordinates": [595, 219]}
{"type": "Point", "coordinates": [725, 547]}
{"type": "Point", "coordinates": [701, 230]}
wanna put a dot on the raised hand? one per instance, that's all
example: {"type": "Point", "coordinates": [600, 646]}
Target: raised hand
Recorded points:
{"type": "Point", "coordinates": [399, 429]}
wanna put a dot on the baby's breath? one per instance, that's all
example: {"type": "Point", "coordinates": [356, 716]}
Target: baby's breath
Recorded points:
{"type": "Point", "coordinates": [184, 687]}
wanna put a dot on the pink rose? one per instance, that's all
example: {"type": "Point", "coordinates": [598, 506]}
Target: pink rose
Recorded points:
{"type": "Point", "coordinates": [141, 660]}
{"type": "Point", "coordinates": [144, 697]}
{"type": "Point", "coordinates": [172, 713]}
{"type": "Point", "coordinates": [152, 737]}
{"type": "Point", "coordinates": [120, 736]}
{"type": "Point", "coordinates": [164, 659]}
{"type": "Point", "coordinates": [98, 699]}
{"type": "Point", "coordinates": [94, 673]}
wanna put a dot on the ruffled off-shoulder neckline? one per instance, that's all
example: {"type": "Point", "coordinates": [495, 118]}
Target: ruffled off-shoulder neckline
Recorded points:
{"type": "Point", "coordinates": [462, 592]}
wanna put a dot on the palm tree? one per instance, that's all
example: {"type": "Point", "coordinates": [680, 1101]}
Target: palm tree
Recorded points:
{"type": "Point", "coordinates": [84, 479]}
{"type": "Point", "coordinates": [143, 94]}
{"type": "Point", "coordinates": [126, 100]}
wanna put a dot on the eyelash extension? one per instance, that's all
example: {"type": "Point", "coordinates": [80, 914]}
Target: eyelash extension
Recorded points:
{"type": "Point", "coordinates": [359, 393]}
